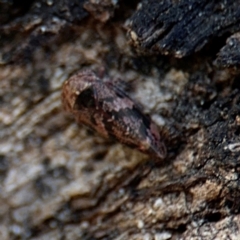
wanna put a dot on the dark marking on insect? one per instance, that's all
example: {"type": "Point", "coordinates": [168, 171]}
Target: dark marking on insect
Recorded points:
{"type": "Point", "coordinates": [111, 112]}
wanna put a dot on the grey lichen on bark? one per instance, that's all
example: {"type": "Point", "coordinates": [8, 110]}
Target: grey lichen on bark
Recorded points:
{"type": "Point", "coordinates": [62, 181]}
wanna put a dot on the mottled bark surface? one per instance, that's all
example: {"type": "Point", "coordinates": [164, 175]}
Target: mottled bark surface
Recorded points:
{"type": "Point", "coordinates": [62, 181]}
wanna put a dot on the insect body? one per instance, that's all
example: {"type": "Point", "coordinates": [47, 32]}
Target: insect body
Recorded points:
{"type": "Point", "coordinates": [108, 110]}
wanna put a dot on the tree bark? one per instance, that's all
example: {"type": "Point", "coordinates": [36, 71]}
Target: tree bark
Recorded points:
{"type": "Point", "coordinates": [63, 181]}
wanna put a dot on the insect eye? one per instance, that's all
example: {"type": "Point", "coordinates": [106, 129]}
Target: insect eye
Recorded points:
{"type": "Point", "coordinates": [85, 99]}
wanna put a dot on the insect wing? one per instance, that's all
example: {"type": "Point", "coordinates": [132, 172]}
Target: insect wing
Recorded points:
{"type": "Point", "coordinates": [86, 99]}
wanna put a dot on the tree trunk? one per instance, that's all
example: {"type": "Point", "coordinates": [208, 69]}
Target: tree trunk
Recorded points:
{"type": "Point", "coordinates": [179, 61]}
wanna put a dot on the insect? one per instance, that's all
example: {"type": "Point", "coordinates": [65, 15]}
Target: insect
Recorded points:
{"type": "Point", "coordinates": [107, 109]}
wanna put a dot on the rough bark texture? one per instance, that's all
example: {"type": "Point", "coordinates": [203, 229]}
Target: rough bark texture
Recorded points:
{"type": "Point", "coordinates": [61, 181]}
{"type": "Point", "coordinates": [182, 27]}
{"type": "Point", "coordinates": [229, 55]}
